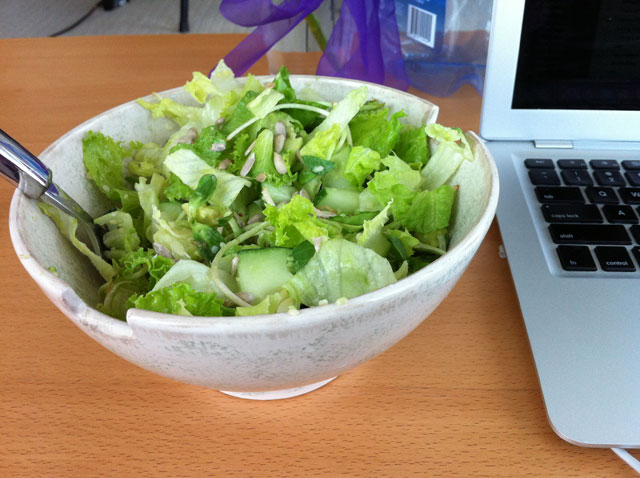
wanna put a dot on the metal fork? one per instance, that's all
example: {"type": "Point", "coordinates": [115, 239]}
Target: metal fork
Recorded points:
{"type": "Point", "coordinates": [27, 173]}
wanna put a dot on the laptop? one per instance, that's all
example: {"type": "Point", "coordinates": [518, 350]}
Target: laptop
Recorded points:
{"type": "Point", "coordinates": [561, 116]}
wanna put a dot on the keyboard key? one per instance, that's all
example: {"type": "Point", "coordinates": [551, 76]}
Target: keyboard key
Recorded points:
{"type": "Point", "coordinates": [636, 252]}
{"type": "Point", "coordinates": [607, 177]}
{"type": "Point", "coordinates": [633, 177]}
{"type": "Point", "coordinates": [619, 214]}
{"type": "Point", "coordinates": [614, 259]}
{"type": "Point", "coordinates": [602, 195]}
{"type": "Point", "coordinates": [604, 164]}
{"type": "Point", "coordinates": [576, 258]}
{"type": "Point", "coordinates": [544, 176]}
{"type": "Point", "coordinates": [630, 195]}
{"type": "Point", "coordinates": [631, 165]}
{"type": "Point", "coordinates": [555, 194]}
{"type": "Point", "coordinates": [534, 163]}
{"type": "Point", "coordinates": [572, 164]}
{"type": "Point", "coordinates": [577, 177]}
{"type": "Point", "coordinates": [635, 232]}
{"type": "Point", "coordinates": [587, 213]}
{"type": "Point", "coordinates": [589, 234]}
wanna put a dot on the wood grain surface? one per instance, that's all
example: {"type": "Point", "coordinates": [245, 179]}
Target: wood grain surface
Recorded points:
{"type": "Point", "coordinates": [458, 397]}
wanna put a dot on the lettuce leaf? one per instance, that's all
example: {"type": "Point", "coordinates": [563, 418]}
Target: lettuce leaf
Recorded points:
{"type": "Point", "coordinates": [202, 194]}
{"type": "Point", "coordinates": [68, 226]}
{"type": "Point", "coordinates": [147, 160]}
{"type": "Point", "coordinates": [375, 130]}
{"type": "Point", "coordinates": [135, 273]}
{"type": "Point", "coordinates": [264, 103]}
{"type": "Point", "coordinates": [323, 144]}
{"type": "Point", "coordinates": [220, 83]}
{"type": "Point", "coordinates": [412, 146]}
{"type": "Point", "coordinates": [362, 162]}
{"type": "Point", "coordinates": [192, 116]}
{"type": "Point", "coordinates": [430, 211]}
{"type": "Point", "coordinates": [121, 236]}
{"type": "Point", "coordinates": [202, 145]}
{"type": "Point", "coordinates": [372, 233]}
{"type": "Point", "coordinates": [190, 168]}
{"type": "Point", "coordinates": [176, 190]}
{"type": "Point", "coordinates": [451, 149]}
{"type": "Point", "coordinates": [344, 111]}
{"type": "Point", "coordinates": [103, 159]}
{"type": "Point", "coordinates": [175, 235]}
{"type": "Point", "coordinates": [180, 299]}
{"type": "Point", "coordinates": [399, 183]}
{"type": "Point", "coordinates": [197, 275]}
{"type": "Point", "coordinates": [295, 222]}
{"type": "Point", "coordinates": [339, 269]}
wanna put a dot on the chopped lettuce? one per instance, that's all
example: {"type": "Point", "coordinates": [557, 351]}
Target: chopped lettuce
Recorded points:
{"type": "Point", "coordinates": [355, 197]}
{"type": "Point", "coordinates": [451, 148]}
{"type": "Point", "coordinates": [295, 222]}
{"type": "Point", "coordinates": [361, 163]}
{"type": "Point", "coordinates": [104, 161]}
{"type": "Point", "coordinates": [412, 146]}
{"type": "Point", "coordinates": [180, 299]}
{"type": "Point", "coordinates": [375, 130]}
{"type": "Point", "coordinates": [430, 210]}
{"type": "Point", "coordinates": [68, 226]}
{"type": "Point", "coordinates": [121, 237]}
{"type": "Point", "coordinates": [339, 269]}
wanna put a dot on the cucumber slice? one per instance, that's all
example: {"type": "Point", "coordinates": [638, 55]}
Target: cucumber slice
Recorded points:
{"type": "Point", "coordinates": [340, 200]}
{"type": "Point", "coordinates": [262, 272]}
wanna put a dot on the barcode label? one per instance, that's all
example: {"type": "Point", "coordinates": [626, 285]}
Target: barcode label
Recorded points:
{"type": "Point", "coordinates": [421, 26]}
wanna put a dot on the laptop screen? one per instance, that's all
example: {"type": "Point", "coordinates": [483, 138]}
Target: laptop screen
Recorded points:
{"type": "Point", "coordinates": [579, 54]}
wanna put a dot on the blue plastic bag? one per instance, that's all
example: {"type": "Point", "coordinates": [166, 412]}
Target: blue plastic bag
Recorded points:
{"type": "Point", "coordinates": [444, 43]}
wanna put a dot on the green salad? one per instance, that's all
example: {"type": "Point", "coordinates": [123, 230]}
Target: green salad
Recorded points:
{"type": "Point", "coordinates": [267, 199]}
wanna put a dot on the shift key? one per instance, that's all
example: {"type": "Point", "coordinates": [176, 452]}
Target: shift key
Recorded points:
{"type": "Point", "coordinates": [589, 234]}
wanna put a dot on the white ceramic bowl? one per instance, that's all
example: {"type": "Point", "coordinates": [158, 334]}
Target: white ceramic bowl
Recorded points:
{"type": "Point", "coordinates": [263, 357]}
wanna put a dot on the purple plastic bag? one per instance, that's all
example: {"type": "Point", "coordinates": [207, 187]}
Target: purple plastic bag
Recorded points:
{"type": "Point", "coordinates": [364, 43]}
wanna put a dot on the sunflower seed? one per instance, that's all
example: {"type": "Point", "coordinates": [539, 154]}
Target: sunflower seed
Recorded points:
{"type": "Point", "coordinates": [238, 219]}
{"type": "Point", "coordinates": [219, 121]}
{"type": "Point", "coordinates": [278, 142]}
{"type": "Point", "coordinates": [188, 137]}
{"type": "Point", "coordinates": [218, 147]}
{"type": "Point", "coordinates": [234, 265]}
{"type": "Point", "coordinates": [248, 164]}
{"type": "Point", "coordinates": [225, 163]}
{"type": "Point", "coordinates": [246, 296]}
{"type": "Point", "coordinates": [261, 178]}
{"type": "Point", "coordinates": [317, 242]}
{"type": "Point", "coordinates": [250, 148]}
{"type": "Point", "coordinates": [324, 214]}
{"type": "Point", "coordinates": [267, 197]}
{"type": "Point", "coordinates": [271, 84]}
{"type": "Point", "coordinates": [162, 250]}
{"type": "Point", "coordinates": [280, 128]}
{"type": "Point", "coordinates": [305, 194]}
{"type": "Point", "coordinates": [278, 162]}
{"type": "Point", "coordinates": [255, 218]}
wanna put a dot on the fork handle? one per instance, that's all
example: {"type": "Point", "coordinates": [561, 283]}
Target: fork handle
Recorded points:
{"type": "Point", "coordinates": [22, 169]}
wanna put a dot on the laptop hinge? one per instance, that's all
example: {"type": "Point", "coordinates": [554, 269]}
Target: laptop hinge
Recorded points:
{"type": "Point", "coordinates": [546, 144]}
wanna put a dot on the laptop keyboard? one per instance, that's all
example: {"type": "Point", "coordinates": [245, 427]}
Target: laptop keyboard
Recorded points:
{"type": "Point", "coordinates": [592, 211]}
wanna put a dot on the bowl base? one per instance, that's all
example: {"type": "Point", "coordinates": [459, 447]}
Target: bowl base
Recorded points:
{"type": "Point", "coordinates": [279, 394]}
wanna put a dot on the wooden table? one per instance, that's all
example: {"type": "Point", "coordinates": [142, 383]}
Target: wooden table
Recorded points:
{"type": "Point", "coordinates": [458, 396]}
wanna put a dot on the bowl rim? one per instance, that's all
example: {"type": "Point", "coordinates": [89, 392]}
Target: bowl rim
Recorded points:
{"type": "Point", "coordinates": [310, 317]}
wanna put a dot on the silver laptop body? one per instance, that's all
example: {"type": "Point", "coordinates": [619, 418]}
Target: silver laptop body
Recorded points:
{"type": "Point", "coordinates": [583, 326]}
